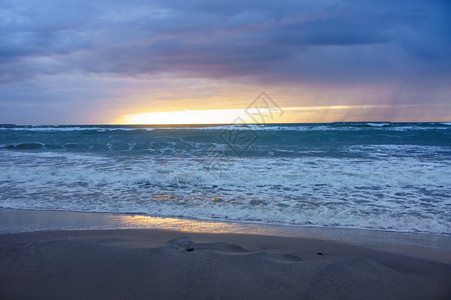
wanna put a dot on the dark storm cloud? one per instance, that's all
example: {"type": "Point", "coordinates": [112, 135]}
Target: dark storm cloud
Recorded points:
{"type": "Point", "coordinates": [290, 40]}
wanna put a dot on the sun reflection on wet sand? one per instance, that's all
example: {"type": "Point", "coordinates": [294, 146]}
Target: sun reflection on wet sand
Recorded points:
{"type": "Point", "coordinates": [146, 222]}
{"type": "Point", "coordinates": [16, 220]}
{"type": "Point", "coordinates": [421, 243]}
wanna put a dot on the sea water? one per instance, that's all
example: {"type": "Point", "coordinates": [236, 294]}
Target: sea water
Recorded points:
{"type": "Point", "coordinates": [387, 176]}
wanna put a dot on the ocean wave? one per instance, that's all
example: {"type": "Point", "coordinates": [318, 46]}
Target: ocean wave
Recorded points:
{"type": "Point", "coordinates": [378, 124]}
{"type": "Point", "coordinates": [24, 146]}
{"type": "Point", "coordinates": [301, 191]}
{"type": "Point", "coordinates": [244, 126]}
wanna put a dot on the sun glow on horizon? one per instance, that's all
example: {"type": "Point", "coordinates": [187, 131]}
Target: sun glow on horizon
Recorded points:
{"type": "Point", "coordinates": [211, 116]}
{"type": "Point", "coordinates": [297, 114]}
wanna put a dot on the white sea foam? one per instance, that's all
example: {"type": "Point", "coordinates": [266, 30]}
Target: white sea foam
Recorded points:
{"type": "Point", "coordinates": [243, 126]}
{"type": "Point", "coordinates": [378, 124]}
{"type": "Point", "coordinates": [301, 191]}
{"type": "Point", "coordinates": [311, 127]}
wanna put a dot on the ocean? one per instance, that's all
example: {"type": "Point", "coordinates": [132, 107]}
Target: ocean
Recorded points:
{"type": "Point", "coordinates": [382, 176]}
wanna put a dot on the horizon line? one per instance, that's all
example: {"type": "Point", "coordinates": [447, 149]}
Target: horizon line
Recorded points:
{"type": "Point", "coordinates": [221, 124]}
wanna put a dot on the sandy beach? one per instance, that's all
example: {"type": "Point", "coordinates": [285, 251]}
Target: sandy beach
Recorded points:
{"type": "Point", "coordinates": [162, 264]}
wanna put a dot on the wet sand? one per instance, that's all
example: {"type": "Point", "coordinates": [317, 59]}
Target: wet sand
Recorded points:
{"type": "Point", "coordinates": [162, 264]}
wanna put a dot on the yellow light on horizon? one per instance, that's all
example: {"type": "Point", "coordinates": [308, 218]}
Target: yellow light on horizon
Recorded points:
{"type": "Point", "coordinates": [304, 114]}
{"type": "Point", "coordinates": [211, 116]}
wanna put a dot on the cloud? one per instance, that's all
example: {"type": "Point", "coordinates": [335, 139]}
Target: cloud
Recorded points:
{"type": "Point", "coordinates": [324, 42]}
{"type": "Point", "coordinates": [219, 39]}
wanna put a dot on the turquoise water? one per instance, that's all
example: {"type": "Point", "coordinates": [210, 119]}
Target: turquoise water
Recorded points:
{"type": "Point", "coordinates": [393, 176]}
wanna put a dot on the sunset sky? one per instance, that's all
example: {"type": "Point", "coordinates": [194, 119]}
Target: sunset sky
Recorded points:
{"type": "Point", "coordinates": [95, 62]}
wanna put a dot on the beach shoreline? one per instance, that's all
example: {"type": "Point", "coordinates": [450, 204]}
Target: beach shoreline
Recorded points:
{"type": "Point", "coordinates": [161, 263]}
{"type": "Point", "coordinates": [422, 245]}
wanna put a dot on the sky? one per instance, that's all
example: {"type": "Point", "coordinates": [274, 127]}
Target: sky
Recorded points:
{"type": "Point", "coordinates": [109, 62]}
